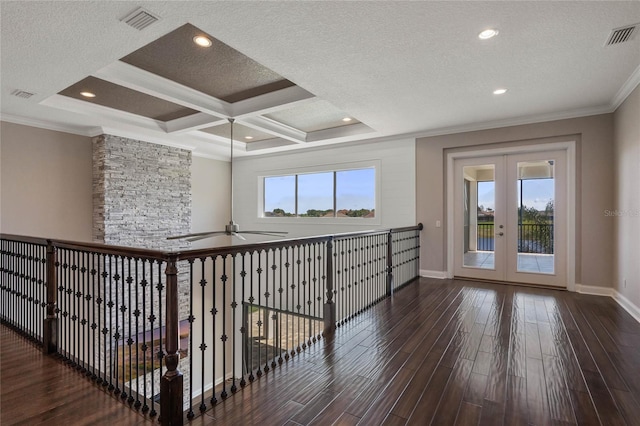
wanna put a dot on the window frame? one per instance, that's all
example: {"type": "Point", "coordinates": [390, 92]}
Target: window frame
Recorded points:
{"type": "Point", "coordinates": [333, 168]}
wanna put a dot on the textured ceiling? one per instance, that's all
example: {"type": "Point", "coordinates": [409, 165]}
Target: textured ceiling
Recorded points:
{"type": "Point", "coordinates": [240, 133]}
{"type": "Point", "coordinates": [218, 70]}
{"type": "Point", "coordinates": [401, 68]}
{"type": "Point", "coordinates": [118, 97]}
{"type": "Point", "coordinates": [312, 117]}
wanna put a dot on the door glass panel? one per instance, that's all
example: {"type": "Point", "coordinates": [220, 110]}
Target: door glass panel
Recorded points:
{"type": "Point", "coordinates": [479, 201]}
{"type": "Point", "coordinates": [535, 204]}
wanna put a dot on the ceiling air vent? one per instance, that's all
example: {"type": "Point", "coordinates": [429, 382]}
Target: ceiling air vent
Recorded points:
{"type": "Point", "coordinates": [140, 19]}
{"type": "Point", "coordinates": [620, 35]}
{"type": "Point", "coordinates": [22, 94]}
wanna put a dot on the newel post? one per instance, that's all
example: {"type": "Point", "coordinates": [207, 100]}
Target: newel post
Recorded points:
{"type": "Point", "coordinates": [330, 305]}
{"type": "Point", "coordinates": [390, 263]}
{"type": "Point", "coordinates": [50, 328]}
{"type": "Point", "coordinates": [171, 382]}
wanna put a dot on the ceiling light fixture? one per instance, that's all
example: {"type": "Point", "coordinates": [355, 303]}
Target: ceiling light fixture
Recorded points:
{"type": "Point", "coordinates": [232, 229]}
{"type": "Point", "coordinates": [500, 91]}
{"type": "Point", "coordinates": [248, 137]}
{"type": "Point", "coordinates": [202, 41]}
{"type": "Point", "coordinates": [347, 119]}
{"type": "Point", "coordinates": [88, 94]}
{"type": "Point", "coordinates": [487, 34]}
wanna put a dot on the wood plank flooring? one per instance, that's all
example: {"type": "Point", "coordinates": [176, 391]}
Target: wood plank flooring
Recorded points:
{"type": "Point", "coordinates": [439, 352]}
{"type": "Point", "coordinates": [38, 389]}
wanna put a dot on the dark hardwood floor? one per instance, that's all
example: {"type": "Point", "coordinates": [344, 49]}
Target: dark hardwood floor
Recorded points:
{"type": "Point", "coordinates": [439, 352]}
{"type": "Point", "coordinates": [38, 389]}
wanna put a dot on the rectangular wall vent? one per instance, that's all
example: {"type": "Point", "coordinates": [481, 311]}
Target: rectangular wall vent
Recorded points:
{"type": "Point", "coordinates": [22, 94]}
{"type": "Point", "coordinates": [620, 35]}
{"type": "Point", "coordinates": [140, 19]}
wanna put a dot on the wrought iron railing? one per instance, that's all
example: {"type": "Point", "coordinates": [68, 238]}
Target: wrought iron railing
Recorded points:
{"type": "Point", "coordinates": [173, 333]}
{"type": "Point", "coordinates": [532, 237]}
{"type": "Point", "coordinates": [485, 237]}
{"type": "Point", "coordinates": [24, 285]}
{"type": "Point", "coordinates": [535, 238]}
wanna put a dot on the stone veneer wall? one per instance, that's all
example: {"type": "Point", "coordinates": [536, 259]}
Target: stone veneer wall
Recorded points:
{"type": "Point", "coordinates": [142, 192]}
{"type": "Point", "coordinates": [141, 195]}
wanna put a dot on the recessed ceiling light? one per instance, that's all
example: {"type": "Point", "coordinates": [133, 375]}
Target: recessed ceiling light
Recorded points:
{"type": "Point", "coordinates": [88, 94]}
{"type": "Point", "coordinates": [487, 34]}
{"type": "Point", "coordinates": [248, 137]}
{"type": "Point", "coordinates": [500, 91]}
{"type": "Point", "coordinates": [347, 119]}
{"type": "Point", "coordinates": [202, 41]}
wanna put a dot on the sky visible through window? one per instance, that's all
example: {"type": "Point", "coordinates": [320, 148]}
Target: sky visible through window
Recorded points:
{"type": "Point", "coordinates": [280, 193]}
{"type": "Point", "coordinates": [355, 190]}
{"type": "Point", "coordinates": [315, 192]}
{"type": "Point", "coordinates": [536, 193]}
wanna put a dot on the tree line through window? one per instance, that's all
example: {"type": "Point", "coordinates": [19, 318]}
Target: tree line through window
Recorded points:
{"type": "Point", "coordinates": [331, 194]}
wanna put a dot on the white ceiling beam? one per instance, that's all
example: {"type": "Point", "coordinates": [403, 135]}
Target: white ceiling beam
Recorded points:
{"type": "Point", "coordinates": [143, 81]}
{"type": "Point", "coordinates": [102, 112]}
{"type": "Point", "coordinates": [269, 143]}
{"type": "Point", "coordinates": [275, 128]}
{"type": "Point", "coordinates": [339, 132]}
{"type": "Point", "coordinates": [271, 102]}
{"type": "Point", "coordinates": [125, 124]}
{"type": "Point", "coordinates": [196, 121]}
{"type": "Point", "coordinates": [118, 123]}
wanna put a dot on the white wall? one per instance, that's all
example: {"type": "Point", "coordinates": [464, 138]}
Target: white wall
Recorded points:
{"type": "Point", "coordinates": [396, 160]}
{"type": "Point", "coordinates": [210, 195]}
{"type": "Point", "coordinates": [625, 212]}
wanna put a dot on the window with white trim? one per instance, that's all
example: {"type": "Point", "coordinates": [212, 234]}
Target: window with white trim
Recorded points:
{"type": "Point", "coordinates": [328, 194]}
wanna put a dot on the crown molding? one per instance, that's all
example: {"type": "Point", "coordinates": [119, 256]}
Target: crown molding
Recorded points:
{"type": "Point", "coordinates": [518, 121]}
{"type": "Point", "coordinates": [145, 132]}
{"type": "Point", "coordinates": [144, 136]}
{"type": "Point", "coordinates": [443, 131]}
{"type": "Point", "coordinates": [48, 125]}
{"type": "Point", "coordinates": [169, 139]}
{"type": "Point", "coordinates": [629, 86]}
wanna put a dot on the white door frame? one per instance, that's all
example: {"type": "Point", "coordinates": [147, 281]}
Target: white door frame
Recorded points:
{"type": "Point", "coordinates": [570, 148]}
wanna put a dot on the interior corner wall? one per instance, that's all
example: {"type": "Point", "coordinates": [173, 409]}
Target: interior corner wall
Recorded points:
{"type": "Point", "coordinates": [625, 212]}
{"type": "Point", "coordinates": [45, 188]}
{"type": "Point", "coordinates": [594, 188]}
{"type": "Point", "coordinates": [210, 188]}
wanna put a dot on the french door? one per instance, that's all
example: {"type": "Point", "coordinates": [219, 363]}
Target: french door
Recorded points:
{"type": "Point", "coordinates": [510, 218]}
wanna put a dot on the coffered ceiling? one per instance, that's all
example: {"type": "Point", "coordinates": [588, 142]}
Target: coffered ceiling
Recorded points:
{"type": "Point", "coordinates": [303, 74]}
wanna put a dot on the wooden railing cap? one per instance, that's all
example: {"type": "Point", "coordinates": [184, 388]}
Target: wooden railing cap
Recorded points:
{"type": "Point", "coordinates": [164, 255]}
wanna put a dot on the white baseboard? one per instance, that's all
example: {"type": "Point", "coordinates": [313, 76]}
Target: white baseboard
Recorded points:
{"type": "Point", "coordinates": [441, 275]}
{"type": "Point", "coordinates": [627, 304]}
{"type": "Point", "coordinates": [594, 290]}
{"type": "Point", "coordinates": [621, 299]}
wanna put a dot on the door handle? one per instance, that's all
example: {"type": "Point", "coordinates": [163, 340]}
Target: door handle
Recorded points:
{"type": "Point", "coordinates": [500, 234]}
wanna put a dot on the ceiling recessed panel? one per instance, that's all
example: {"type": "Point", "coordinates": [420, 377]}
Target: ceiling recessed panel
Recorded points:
{"type": "Point", "coordinates": [240, 133]}
{"type": "Point", "coordinates": [218, 70]}
{"type": "Point", "coordinates": [118, 97]}
{"type": "Point", "coordinates": [313, 116]}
